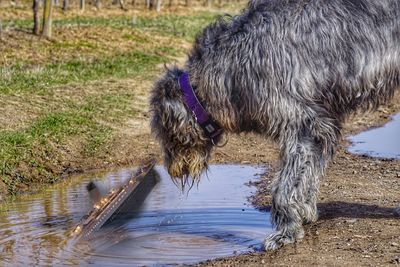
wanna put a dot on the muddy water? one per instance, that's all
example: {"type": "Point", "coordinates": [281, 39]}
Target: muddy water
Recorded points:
{"type": "Point", "coordinates": [214, 220]}
{"type": "Point", "coordinates": [381, 142]}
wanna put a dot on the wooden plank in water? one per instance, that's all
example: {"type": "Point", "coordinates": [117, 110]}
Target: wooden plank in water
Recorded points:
{"type": "Point", "coordinates": [122, 201]}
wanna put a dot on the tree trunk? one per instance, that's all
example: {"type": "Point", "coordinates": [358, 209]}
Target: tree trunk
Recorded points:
{"type": "Point", "coordinates": [1, 30]}
{"type": "Point", "coordinates": [65, 6]}
{"type": "Point", "coordinates": [155, 4]}
{"type": "Point", "coordinates": [47, 18]}
{"type": "Point", "coordinates": [98, 4]}
{"type": "Point", "coordinates": [36, 20]}
{"type": "Point", "coordinates": [82, 5]}
{"type": "Point", "coordinates": [208, 3]}
{"type": "Point", "coordinates": [170, 3]}
{"type": "Point", "coordinates": [158, 5]}
{"type": "Point", "coordinates": [121, 4]}
{"type": "Point", "coordinates": [188, 2]}
{"type": "Point", "coordinates": [57, 2]}
{"type": "Point", "coordinates": [148, 4]}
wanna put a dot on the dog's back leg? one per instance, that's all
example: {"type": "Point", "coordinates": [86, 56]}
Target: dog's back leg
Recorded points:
{"type": "Point", "coordinates": [305, 154]}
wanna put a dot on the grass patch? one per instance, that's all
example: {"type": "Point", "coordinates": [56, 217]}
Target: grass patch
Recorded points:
{"type": "Point", "coordinates": [36, 147]}
{"type": "Point", "coordinates": [186, 26]}
{"type": "Point", "coordinates": [95, 140]}
{"type": "Point", "coordinates": [36, 79]}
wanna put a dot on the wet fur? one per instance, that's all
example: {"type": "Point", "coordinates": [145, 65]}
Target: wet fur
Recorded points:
{"type": "Point", "coordinates": [290, 70]}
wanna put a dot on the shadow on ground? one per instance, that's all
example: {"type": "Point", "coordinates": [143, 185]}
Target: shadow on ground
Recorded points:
{"type": "Point", "coordinates": [340, 209]}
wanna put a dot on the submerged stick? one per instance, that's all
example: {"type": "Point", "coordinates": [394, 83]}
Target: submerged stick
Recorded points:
{"type": "Point", "coordinates": [123, 201]}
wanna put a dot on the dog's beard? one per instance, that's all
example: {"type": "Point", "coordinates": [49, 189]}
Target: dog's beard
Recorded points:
{"type": "Point", "coordinates": [186, 169]}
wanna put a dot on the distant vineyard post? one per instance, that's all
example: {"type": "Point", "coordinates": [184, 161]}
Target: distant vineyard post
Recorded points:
{"type": "Point", "coordinates": [155, 4]}
{"type": "Point", "coordinates": [36, 20]}
{"type": "Point", "coordinates": [158, 5]}
{"type": "Point", "coordinates": [82, 5]}
{"type": "Point", "coordinates": [1, 30]}
{"type": "Point", "coordinates": [65, 6]}
{"type": "Point", "coordinates": [47, 18]}
{"type": "Point", "coordinates": [121, 4]}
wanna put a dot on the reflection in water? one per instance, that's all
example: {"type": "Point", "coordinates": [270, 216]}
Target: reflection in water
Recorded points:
{"type": "Point", "coordinates": [380, 142]}
{"type": "Point", "coordinates": [213, 220]}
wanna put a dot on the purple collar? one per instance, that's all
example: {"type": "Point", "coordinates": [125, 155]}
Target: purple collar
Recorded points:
{"type": "Point", "coordinates": [210, 127]}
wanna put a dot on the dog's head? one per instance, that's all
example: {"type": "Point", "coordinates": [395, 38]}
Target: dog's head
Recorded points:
{"type": "Point", "coordinates": [185, 146]}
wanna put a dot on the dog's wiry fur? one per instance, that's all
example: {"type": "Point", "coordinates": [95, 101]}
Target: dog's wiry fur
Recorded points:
{"type": "Point", "coordinates": [290, 70]}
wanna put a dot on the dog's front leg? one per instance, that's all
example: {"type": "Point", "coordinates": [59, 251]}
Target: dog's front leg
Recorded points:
{"type": "Point", "coordinates": [294, 192]}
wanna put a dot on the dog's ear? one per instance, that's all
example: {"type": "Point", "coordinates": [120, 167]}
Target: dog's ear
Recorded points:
{"type": "Point", "coordinates": [171, 118]}
{"type": "Point", "coordinates": [168, 86]}
{"type": "Point", "coordinates": [179, 121]}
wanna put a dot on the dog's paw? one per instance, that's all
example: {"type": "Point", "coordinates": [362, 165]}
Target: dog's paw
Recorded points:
{"type": "Point", "coordinates": [280, 238]}
{"type": "Point", "coordinates": [310, 218]}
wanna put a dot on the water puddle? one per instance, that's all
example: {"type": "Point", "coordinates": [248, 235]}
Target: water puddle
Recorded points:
{"type": "Point", "coordinates": [383, 142]}
{"type": "Point", "coordinates": [213, 220]}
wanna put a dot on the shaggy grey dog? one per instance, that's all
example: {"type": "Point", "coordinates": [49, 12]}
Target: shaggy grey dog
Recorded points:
{"type": "Point", "coordinates": [290, 70]}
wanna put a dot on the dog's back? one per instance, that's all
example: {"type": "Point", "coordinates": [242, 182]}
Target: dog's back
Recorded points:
{"type": "Point", "coordinates": [343, 54]}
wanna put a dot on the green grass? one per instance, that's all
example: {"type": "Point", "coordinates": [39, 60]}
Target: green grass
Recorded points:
{"type": "Point", "coordinates": [25, 75]}
{"type": "Point", "coordinates": [186, 26]}
{"type": "Point", "coordinates": [20, 77]}
{"type": "Point", "coordinates": [34, 146]}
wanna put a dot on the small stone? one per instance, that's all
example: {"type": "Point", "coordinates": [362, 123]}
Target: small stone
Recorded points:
{"type": "Point", "coordinates": [394, 244]}
{"type": "Point", "coordinates": [396, 260]}
{"type": "Point", "coordinates": [351, 221]}
{"type": "Point", "coordinates": [263, 261]}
